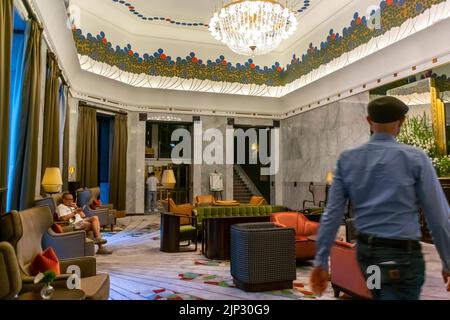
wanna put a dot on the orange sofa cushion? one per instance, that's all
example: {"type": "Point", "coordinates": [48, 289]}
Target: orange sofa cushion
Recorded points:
{"type": "Point", "coordinates": [257, 201]}
{"type": "Point", "coordinates": [45, 261]}
{"type": "Point", "coordinates": [205, 199]}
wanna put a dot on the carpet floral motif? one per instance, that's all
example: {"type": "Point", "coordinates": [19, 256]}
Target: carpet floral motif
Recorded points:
{"type": "Point", "coordinates": [207, 279]}
{"type": "Point", "coordinates": [163, 294]}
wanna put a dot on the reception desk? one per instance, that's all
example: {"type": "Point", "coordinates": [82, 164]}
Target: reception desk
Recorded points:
{"type": "Point", "coordinates": [217, 235]}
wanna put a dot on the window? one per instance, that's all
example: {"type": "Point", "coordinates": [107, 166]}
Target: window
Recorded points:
{"type": "Point", "coordinates": [17, 66]}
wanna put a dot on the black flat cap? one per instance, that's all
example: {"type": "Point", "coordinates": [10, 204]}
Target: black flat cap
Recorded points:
{"type": "Point", "coordinates": [387, 109]}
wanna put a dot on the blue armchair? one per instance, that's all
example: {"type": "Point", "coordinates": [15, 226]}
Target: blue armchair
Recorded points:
{"type": "Point", "coordinates": [105, 215]}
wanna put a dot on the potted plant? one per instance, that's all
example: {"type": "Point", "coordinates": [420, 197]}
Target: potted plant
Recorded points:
{"type": "Point", "coordinates": [47, 278]}
{"type": "Point", "coordinates": [418, 131]}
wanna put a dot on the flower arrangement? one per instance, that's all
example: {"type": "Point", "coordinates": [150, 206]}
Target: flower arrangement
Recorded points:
{"type": "Point", "coordinates": [417, 131]}
{"type": "Point", "coordinates": [46, 277]}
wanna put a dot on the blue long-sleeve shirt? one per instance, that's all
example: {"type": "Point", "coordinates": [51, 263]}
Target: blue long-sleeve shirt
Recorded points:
{"type": "Point", "coordinates": [386, 182]}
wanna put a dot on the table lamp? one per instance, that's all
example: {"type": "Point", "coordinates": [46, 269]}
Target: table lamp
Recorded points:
{"type": "Point", "coordinates": [52, 181]}
{"type": "Point", "coordinates": [169, 182]}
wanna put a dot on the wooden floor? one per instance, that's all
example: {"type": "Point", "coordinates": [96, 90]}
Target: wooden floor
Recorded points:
{"type": "Point", "coordinates": [139, 271]}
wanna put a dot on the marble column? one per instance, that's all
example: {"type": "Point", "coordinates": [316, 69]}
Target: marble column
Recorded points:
{"type": "Point", "coordinates": [219, 123]}
{"type": "Point", "coordinates": [135, 164]}
{"type": "Point", "coordinates": [313, 141]}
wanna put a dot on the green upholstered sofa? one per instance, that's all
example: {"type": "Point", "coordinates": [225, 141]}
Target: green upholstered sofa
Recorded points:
{"type": "Point", "coordinates": [241, 211]}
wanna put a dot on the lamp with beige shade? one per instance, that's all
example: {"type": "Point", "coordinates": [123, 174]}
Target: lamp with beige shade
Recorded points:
{"type": "Point", "coordinates": [52, 181]}
{"type": "Point", "coordinates": [169, 182]}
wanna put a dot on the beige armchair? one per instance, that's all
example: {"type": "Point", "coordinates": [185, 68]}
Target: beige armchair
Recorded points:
{"type": "Point", "coordinates": [25, 231]}
{"type": "Point", "coordinates": [10, 284]}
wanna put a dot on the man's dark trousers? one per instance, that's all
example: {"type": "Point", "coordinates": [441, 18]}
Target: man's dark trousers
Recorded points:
{"type": "Point", "coordinates": [402, 270]}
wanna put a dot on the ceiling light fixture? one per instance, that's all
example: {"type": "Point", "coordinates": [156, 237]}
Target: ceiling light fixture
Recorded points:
{"type": "Point", "coordinates": [253, 27]}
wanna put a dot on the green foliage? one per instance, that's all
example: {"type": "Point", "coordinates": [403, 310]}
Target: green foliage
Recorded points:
{"type": "Point", "coordinates": [46, 277]}
{"type": "Point", "coordinates": [442, 166]}
{"type": "Point", "coordinates": [418, 132]}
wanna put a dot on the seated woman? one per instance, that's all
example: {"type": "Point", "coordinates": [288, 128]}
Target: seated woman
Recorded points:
{"type": "Point", "coordinates": [68, 210]}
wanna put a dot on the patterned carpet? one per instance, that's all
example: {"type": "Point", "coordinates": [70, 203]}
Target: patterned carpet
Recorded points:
{"type": "Point", "coordinates": [140, 271]}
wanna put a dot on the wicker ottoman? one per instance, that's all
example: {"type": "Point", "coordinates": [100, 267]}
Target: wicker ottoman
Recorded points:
{"type": "Point", "coordinates": [262, 257]}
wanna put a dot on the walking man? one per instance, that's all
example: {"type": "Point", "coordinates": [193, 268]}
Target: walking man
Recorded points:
{"type": "Point", "coordinates": [152, 188]}
{"type": "Point", "coordinates": [386, 183]}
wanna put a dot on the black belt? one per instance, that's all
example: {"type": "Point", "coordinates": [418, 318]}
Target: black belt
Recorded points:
{"type": "Point", "coordinates": [390, 243]}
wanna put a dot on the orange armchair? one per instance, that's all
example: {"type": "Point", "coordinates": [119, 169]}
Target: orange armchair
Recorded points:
{"type": "Point", "coordinates": [305, 248]}
{"type": "Point", "coordinates": [184, 210]}
{"type": "Point", "coordinates": [258, 201]}
{"type": "Point", "coordinates": [346, 275]}
{"type": "Point", "coordinates": [204, 200]}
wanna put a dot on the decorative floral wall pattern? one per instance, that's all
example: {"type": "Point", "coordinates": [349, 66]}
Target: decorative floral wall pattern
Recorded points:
{"type": "Point", "coordinates": [393, 14]}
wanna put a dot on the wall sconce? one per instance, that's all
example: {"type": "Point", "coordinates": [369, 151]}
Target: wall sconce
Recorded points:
{"type": "Point", "coordinates": [72, 173]}
{"type": "Point", "coordinates": [329, 180]}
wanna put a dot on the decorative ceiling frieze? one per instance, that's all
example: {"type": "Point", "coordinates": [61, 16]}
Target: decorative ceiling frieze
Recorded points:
{"type": "Point", "coordinates": [217, 74]}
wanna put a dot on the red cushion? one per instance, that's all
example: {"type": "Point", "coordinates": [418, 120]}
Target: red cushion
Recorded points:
{"type": "Point", "coordinates": [45, 261]}
{"type": "Point", "coordinates": [95, 204]}
{"type": "Point", "coordinates": [57, 228]}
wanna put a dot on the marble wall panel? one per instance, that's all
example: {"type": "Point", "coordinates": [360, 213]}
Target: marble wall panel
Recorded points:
{"type": "Point", "coordinates": [315, 141]}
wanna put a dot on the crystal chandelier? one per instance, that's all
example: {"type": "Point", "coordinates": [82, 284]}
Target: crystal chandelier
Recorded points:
{"type": "Point", "coordinates": [253, 27]}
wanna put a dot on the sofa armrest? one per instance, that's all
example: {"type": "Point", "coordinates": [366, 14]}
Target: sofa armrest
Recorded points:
{"type": "Point", "coordinates": [87, 265]}
{"type": "Point", "coordinates": [102, 215]}
{"type": "Point", "coordinates": [311, 228]}
{"type": "Point", "coordinates": [106, 206]}
{"type": "Point", "coordinates": [66, 245]}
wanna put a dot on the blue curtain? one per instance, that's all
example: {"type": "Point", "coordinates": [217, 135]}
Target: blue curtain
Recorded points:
{"type": "Point", "coordinates": [17, 73]}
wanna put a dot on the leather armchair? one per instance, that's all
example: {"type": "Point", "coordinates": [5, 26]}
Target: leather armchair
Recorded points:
{"type": "Point", "coordinates": [25, 232]}
{"type": "Point", "coordinates": [346, 275]}
{"type": "Point", "coordinates": [10, 284]}
{"type": "Point", "coordinates": [305, 248]}
{"type": "Point", "coordinates": [105, 216]}
{"type": "Point", "coordinates": [185, 211]}
{"type": "Point", "coordinates": [204, 200]}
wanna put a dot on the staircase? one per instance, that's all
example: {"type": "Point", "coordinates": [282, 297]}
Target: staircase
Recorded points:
{"type": "Point", "coordinates": [241, 191]}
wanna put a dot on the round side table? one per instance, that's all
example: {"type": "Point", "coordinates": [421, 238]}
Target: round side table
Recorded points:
{"type": "Point", "coordinates": [60, 294]}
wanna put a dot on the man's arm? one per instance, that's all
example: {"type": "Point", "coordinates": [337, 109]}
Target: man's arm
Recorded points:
{"type": "Point", "coordinates": [436, 209]}
{"type": "Point", "coordinates": [331, 219]}
{"type": "Point", "coordinates": [64, 213]}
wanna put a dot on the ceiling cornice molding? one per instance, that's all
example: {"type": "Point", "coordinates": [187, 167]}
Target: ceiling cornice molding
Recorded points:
{"type": "Point", "coordinates": [158, 70]}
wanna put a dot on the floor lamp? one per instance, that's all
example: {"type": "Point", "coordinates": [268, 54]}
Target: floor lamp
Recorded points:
{"type": "Point", "coordinates": [169, 182]}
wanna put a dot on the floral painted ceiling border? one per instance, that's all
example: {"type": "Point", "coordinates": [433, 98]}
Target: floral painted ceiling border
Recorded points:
{"type": "Point", "coordinates": [160, 64]}
{"type": "Point", "coordinates": [300, 7]}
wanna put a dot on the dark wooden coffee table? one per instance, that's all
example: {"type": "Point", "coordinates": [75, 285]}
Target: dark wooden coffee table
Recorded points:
{"type": "Point", "coordinates": [217, 235]}
{"type": "Point", "coordinates": [60, 294]}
